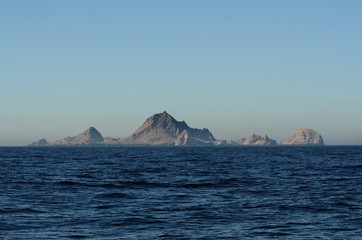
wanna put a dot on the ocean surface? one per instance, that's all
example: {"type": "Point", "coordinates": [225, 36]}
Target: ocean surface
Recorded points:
{"type": "Point", "coordinates": [181, 193]}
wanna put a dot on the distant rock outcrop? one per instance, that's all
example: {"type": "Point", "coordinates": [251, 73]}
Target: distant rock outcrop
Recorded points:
{"type": "Point", "coordinates": [41, 142]}
{"type": "Point", "coordinates": [255, 140]}
{"type": "Point", "coordinates": [90, 136]}
{"type": "Point", "coordinates": [163, 129]}
{"type": "Point", "coordinates": [111, 141]}
{"type": "Point", "coordinates": [304, 136]}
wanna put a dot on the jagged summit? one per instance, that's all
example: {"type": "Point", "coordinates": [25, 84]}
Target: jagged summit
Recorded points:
{"type": "Point", "coordinates": [162, 121]}
{"type": "Point", "coordinates": [163, 129]}
{"type": "Point", "coordinates": [305, 136]}
{"type": "Point", "coordinates": [89, 136]}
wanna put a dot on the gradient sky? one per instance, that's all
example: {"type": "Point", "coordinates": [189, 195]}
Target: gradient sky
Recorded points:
{"type": "Point", "coordinates": [235, 67]}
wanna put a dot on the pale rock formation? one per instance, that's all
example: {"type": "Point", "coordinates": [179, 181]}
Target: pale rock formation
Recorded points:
{"type": "Point", "coordinates": [255, 140]}
{"type": "Point", "coordinates": [304, 136]}
{"type": "Point", "coordinates": [163, 130]}
{"type": "Point", "coordinates": [41, 142]}
{"type": "Point", "coordinates": [111, 141]}
{"type": "Point", "coordinates": [90, 136]}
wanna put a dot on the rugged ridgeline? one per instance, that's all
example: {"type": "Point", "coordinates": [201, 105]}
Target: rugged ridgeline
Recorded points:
{"type": "Point", "coordinates": [158, 130]}
{"type": "Point", "coordinates": [91, 136]}
{"type": "Point", "coordinates": [162, 129]}
{"type": "Point", "coordinates": [255, 140]}
{"type": "Point", "coordinates": [305, 136]}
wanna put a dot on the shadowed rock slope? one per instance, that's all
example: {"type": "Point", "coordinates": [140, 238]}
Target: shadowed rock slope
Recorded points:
{"type": "Point", "coordinates": [162, 129]}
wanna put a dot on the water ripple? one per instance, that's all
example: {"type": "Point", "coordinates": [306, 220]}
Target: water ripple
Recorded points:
{"type": "Point", "coordinates": [181, 193]}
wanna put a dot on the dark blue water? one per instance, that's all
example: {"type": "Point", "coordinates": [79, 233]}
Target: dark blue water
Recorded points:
{"type": "Point", "coordinates": [181, 193]}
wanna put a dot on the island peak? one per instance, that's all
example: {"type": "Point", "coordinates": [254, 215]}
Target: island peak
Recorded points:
{"type": "Point", "coordinates": [88, 137]}
{"type": "Point", "coordinates": [163, 129]}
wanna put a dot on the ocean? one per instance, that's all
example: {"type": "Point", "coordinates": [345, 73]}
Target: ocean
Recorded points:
{"type": "Point", "coordinates": [181, 193]}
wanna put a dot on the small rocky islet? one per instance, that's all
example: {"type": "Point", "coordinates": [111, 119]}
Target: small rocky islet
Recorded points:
{"type": "Point", "coordinates": [305, 136]}
{"type": "Point", "coordinates": [162, 129]}
{"type": "Point", "coordinates": [255, 140]}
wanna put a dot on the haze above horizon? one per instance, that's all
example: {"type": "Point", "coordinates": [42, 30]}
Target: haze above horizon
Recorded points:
{"type": "Point", "coordinates": [234, 67]}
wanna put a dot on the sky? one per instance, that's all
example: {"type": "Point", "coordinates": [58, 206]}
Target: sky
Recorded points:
{"type": "Point", "coordinates": [234, 67]}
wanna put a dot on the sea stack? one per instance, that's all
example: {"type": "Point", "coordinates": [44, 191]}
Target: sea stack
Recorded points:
{"type": "Point", "coordinates": [255, 140]}
{"type": "Point", "coordinates": [163, 130]}
{"type": "Point", "coordinates": [305, 136]}
{"type": "Point", "coordinates": [91, 136]}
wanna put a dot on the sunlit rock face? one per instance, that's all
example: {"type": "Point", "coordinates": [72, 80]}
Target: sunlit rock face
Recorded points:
{"type": "Point", "coordinates": [163, 130]}
{"type": "Point", "coordinates": [41, 142]}
{"type": "Point", "coordinates": [88, 137]}
{"type": "Point", "coordinates": [255, 140]}
{"type": "Point", "coordinates": [305, 136]}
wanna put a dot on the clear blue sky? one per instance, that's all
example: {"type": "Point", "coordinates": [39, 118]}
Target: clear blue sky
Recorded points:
{"type": "Point", "coordinates": [235, 67]}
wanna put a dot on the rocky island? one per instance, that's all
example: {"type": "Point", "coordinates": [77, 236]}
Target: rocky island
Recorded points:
{"type": "Point", "coordinates": [158, 130]}
{"type": "Point", "coordinates": [91, 136]}
{"type": "Point", "coordinates": [163, 130]}
{"type": "Point", "coordinates": [41, 142]}
{"type": "Point", "coordinates": [255, 140]}
{"type": "Point", "coordinates": [305, 136]}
